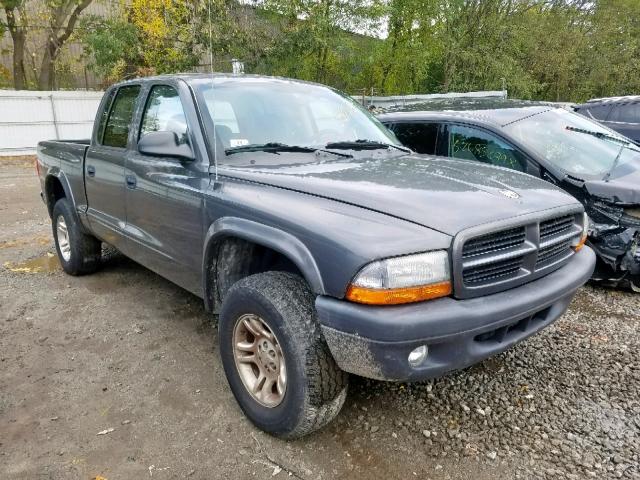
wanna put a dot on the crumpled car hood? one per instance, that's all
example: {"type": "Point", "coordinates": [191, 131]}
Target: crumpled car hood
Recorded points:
{"type": "Point", "coordinates": [444, 194]}
{"type": "Point", "coordinates": [623, 186]}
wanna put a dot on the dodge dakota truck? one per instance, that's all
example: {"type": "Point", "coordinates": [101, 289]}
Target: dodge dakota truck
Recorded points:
{"type": "Point", "coordinates": [323, 245]}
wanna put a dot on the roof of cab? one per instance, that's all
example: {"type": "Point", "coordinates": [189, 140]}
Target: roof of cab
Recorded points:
{"type": "Point", "coordinates": [605, 100]}
{"type": "Point", "coordinates": [189, 77]}
{"type": "Point", "coordinates": [498, 117]}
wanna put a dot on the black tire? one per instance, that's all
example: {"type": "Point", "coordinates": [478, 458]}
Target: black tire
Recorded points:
{"type": "Point", "coordinates": [316, 388]}
{"type": "Point", "coordinates": [84, 250]}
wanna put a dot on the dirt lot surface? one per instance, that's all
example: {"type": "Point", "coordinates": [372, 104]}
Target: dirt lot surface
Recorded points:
{"type": "Point", "coordinates": [116, 375]}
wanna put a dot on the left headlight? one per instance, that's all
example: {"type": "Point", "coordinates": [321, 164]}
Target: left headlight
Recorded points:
{"type": "Point", "coordinates": [577, 246]}
{"type": "Point", "coordinates": [411, 278]}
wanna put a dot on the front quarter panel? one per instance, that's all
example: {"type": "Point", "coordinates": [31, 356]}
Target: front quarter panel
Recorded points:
{"type": "Point", "coordinates": [331, 238]}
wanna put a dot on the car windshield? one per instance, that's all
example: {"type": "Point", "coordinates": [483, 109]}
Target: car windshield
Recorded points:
{"type": "Point", "coordinates": [573, 143]}
{"type": "Point", "coordinates": [258, 114]}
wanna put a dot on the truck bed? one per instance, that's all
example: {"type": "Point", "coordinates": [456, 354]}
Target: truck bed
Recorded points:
{"type": "Point", "coordinates": [65, 158]}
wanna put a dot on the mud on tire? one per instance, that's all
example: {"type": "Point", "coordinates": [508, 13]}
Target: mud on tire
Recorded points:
{"type": "Point", "coordinates": [316, 388]}
{"type": "Point", "coordinates": [83, 251]}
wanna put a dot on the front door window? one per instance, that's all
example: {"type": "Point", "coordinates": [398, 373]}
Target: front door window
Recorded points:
{"type": "Point", "coordinates": [474, 144]}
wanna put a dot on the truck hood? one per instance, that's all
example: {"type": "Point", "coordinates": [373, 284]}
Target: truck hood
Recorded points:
{"type": "Point", "coordinates": [623, 186]}
{"type": "Point", "coordinates": [443, 194]}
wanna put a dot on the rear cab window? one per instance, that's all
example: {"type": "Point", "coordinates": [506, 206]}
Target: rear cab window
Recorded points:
{"type": "Point", "coordinates": [421, 137]}
{"type": "Point", "coordinates": [474, 144]}
{"type": "Point", "coordinates": [116, 130]}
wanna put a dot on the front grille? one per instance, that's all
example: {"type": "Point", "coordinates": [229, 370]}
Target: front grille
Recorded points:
{"type": "Point", "coordinates": [553, 253]}
{"type": "Point", "coordinates": [494, 242]}
{"type": "Point", "coordinates": [490, 261]}
{"type": "Point", "coordinates": [556, 226]}
{"type": "Point", "coordinates": [492, 271]}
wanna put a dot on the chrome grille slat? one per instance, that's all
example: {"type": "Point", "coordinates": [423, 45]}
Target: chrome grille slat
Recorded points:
{"type": "Point", "coordinates": [499, 256]}
{"type": "Point", "coordinates": [491, 261]}
{"type": "Point", "coordinates": [558, 239]}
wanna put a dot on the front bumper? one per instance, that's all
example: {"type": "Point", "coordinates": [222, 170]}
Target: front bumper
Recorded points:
{"type": "Point", "coordinates": [375, 341]}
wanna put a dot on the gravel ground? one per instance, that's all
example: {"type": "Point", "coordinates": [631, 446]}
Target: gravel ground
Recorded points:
{"type": "Point", "coordinates": [126, 350]}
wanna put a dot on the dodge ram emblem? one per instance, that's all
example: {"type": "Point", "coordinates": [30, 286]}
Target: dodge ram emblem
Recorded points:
{"type": "Point", "coordinates": [509, 194]}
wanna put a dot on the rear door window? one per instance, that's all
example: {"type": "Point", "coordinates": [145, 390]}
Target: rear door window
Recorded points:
{"type": "Point", "coordinates": [105, 115]}
{"type": "Point", "coordinates": [419, 137]}
{"type": "Point", "coordinates": [164, 113]}
{"type": "Point", "coordinates": [626, 113]}
{"type": "Point", "coordinates": [116, 131]}
{"type": "Point", "coordinates": [474, 144]}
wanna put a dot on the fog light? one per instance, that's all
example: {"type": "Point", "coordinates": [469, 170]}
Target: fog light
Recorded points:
{"type": "Point", "coordinates": [417, 356]}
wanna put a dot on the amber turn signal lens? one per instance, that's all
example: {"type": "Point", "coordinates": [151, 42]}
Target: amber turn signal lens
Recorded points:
{"type": "Point", "coordinates": [580, 244]}
{"type": "Point", "coordinates": [397, 296]}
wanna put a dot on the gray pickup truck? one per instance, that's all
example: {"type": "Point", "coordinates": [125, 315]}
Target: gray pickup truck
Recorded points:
{"type": "Point", "coordinates": [324, 245]}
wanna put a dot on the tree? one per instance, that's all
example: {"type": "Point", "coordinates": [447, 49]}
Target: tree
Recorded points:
{"type": "Point", "coordinates": [314, 39]}
{"type": "Point", "coordinates": [63, 16]}
{"type": "Point", "coordinates": [167, 28]}
{"type": "Point", "coordinates": [148, 37]}
{"type": "Point", "coordinates": [14, 11]}
{"type": "Point", "coordinates": [114, 45]}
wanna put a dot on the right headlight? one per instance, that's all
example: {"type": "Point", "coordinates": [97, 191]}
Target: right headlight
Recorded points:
{"type": "Point", "coordinates": [406, 279]}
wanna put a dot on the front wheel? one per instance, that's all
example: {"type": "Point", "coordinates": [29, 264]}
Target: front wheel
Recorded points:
{"type": "Point", "coordinates": [78, 252]}
{"type": "Point", "coordinates": [277, 363]}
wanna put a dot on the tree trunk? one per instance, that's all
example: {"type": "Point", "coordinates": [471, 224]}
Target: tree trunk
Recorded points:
{"type": "Point", "coordinates": [47, 67]}
{"type": "Point", "coordinates": [19, 72]}
{"type": "Point", "coordinates": [18, 36]}
{"type": "Point", "coordinates": [46, 79]}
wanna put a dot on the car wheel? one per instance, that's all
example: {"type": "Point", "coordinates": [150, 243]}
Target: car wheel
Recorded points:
{"type": "Point", "coordinates": [277, 363]}
{"type": "Point", "coordinates": [78, 252]}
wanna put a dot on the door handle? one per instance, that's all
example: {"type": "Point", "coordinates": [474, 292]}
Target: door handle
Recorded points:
{"type": "Point", "coordinates": [91, 170]}
{"type": "Point", "coordinates": [131, 181]}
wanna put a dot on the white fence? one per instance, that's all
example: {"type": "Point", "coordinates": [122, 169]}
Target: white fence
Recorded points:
{"type": "Point", "coordinates": [27, 117]}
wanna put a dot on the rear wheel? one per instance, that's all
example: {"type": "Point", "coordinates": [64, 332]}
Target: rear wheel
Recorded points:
{"type": "Point", "coordinates": [277, 363]}
{"type": "Point", "coordinates": [78, 252]}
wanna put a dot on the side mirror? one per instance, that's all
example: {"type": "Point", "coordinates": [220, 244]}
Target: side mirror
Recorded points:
{"type": "Point", "coordinates": [165, 144]}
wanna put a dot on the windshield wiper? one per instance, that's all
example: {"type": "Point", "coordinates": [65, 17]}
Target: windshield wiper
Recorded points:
{"type": "Point", "coordinates": [601, 135]}
{"type": "Point", "coordinates": [364, 145]}
{"type": "Point", "coordinates": [275, 147]}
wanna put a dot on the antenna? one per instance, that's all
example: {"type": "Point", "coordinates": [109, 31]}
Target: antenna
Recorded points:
{"type": "Point", "coordinates": [215, 140]}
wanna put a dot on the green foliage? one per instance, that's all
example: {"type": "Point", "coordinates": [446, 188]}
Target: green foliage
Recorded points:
{"type": "Point", "coordinates": [566, 50]}
{"type": "Point", "coordinates": [113, 45]}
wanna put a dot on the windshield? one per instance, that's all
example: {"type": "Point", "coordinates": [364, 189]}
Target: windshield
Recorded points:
{"type": "Point", "coordinates": [573, 143]}
{"type": "Point", "coordinates": [254, 112]}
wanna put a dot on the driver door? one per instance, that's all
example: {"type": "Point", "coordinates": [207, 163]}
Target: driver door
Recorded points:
{"type": "Point", "coordinates": [164, 195]}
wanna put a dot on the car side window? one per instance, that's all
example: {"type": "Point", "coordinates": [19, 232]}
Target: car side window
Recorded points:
{"type": "Point", "coordinates": [116, 131]}
{"type": "Point", "coordinates": [627, 113]}
{"type": "Point", "coordinates": [599, 112]}
{"type": "Point", "coordinates": [105, 115]}
{"type": "Point", "coordinates": [164, 113]}
{"type": "Point", "coordinates": [419, 137]}
{"type": "Point", "coordinates": [474, 144]}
